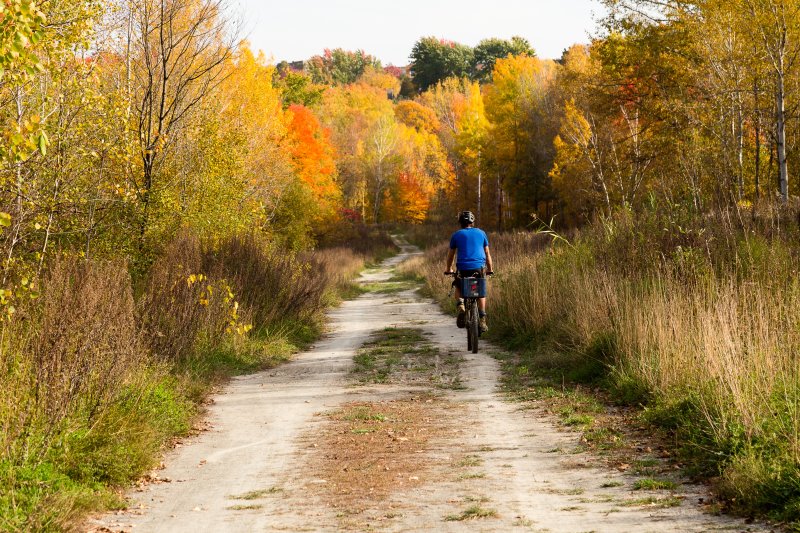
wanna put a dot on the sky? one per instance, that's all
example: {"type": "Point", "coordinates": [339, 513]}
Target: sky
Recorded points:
{"type": "Point", "coordinates": [298, 29]}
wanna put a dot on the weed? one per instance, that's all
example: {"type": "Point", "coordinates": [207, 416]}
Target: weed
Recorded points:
{"type": "Point", "coordinates": [405, 355]}
{"type": "Point", "coordinates": [364, 413]}
{"type": "Point", "coordinates": [654, 484]}
{"type": "Point", "coordinates": [258, 494]}
{"type": "Point", "coordinates": [578, 420]}
{"type": "Point", "coordinates": [567, 492]}
{"type": "Point", "coordinates": [92, 395]}
{"type": "Point", "coordinates": [470, 460]}
{"type": "Point", "coordinates": [654, 501]}
{"type": "Point", "coordinates": [603, 438]}
{"type": "Point", "coordinates": [472, 513]}
{"type": "Point", "coordinates": [645, 467]}
{"type": "Point", "coordinates": [392, 286]}
{"type": "Point", "coordinates": [472, 475]}
{"type": "Point", "coordinates": [253, 507]}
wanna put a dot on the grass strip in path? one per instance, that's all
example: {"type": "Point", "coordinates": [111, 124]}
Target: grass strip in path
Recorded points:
{"type": "Point", "coordinates": [406, 356]}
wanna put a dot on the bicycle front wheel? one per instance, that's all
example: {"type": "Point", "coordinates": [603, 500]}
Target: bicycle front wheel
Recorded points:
{"type": "Point", "coordinates": [472, 328]}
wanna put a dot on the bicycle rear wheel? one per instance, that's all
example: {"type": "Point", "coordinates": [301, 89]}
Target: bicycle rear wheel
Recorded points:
{"type": "Point", "coordinates": [468, 324]}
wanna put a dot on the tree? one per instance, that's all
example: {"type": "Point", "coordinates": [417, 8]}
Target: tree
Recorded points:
{"type": "Point", "coordinates": [434, 60]}
{"type": "Point", "coordinates": [579, 170]}
{"type": "Point", "coordinates": [417, 116]}
{"type": "Point", "coordinates": [352, 114]}
{"type": "Point", "coordinates": [315, 161]}
{"type": "Point", "coordinates": [340, 67]}
{"type": "Point", "coordinates": [522, 113]}
{"type": "Point", "coordinates": [298, 89]}
{"type": "Point", "coordinates": [490, 50]}
{"type": "Point", "coordinates": [38, 70]}
{"type": "Point", "coordinates": [778, 31]}
{"type": "Point", "coordinates": [458, 105]}
{"type": "Point", "coordinates": [181, 48]}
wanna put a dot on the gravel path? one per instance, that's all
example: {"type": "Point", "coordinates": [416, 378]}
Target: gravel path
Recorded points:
{"type": "Point", "coordinates": [249, 471]}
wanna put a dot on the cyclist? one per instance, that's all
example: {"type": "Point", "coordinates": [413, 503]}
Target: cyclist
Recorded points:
{"type": "Point", "coordinates": [474, 260]}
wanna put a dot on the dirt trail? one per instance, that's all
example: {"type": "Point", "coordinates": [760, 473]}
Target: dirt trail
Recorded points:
{"type": "Point", "coordinates": [254, 469]}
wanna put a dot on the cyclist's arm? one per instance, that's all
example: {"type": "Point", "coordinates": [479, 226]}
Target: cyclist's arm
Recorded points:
{"type": "Point", "coordinates": [489, 267]}
{"type": "Point", "coordinates": [450, 256]}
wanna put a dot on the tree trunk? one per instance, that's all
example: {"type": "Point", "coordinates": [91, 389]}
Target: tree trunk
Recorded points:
{"type": "Point", "coordinates": [783, 171]}
{"type": "Point", "coordinates": [499, 203]}
{"type": "Point", "coordinates": [758, 141]}
{"type": "Point", "coordinates": [740, 146]}
{"type": "Point", "coordinates": [146, 199]}
{"type": "Point", "coordinates": [478, 214]}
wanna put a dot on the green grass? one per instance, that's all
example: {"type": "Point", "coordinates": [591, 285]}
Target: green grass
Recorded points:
{"type": "Point", "coordinates": [472, 513]}
{"type": "Point", "coordinates": [365, 414]}
{"type": "Point", "coordinates": [258, 494]}
{"type": "Point", "coordinates": [405, 354]}
{"type": "Point", "coordinates": [473, 475]}
{"type": "Point", "coordinates": [655, 484]}
{"type": "Point", "coordinates": [75, 476]}
{"type": "Point", "coordinates": [603, 438]}
{"type": "Point", "coordinates": [654, 501]}
{"type": "Point", "coordinates": [251, 507]}
{"type": "Point", "coordinates": [470, 460]}
{"type": "Point", "coordinates": [389, 287]}
{"type": "Point", "coordinates": [348, 291]}
{"type": "Point", "coordinates": [646, 467]}
{"type": "Point", "coordinates": [575, 419]}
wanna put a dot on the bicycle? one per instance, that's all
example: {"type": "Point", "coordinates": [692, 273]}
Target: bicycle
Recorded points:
{"type": "Point", "coordinates": [472, 289]}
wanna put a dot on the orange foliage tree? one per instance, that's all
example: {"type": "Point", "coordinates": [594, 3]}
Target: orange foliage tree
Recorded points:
{"type": "Point", "coordinates": [314, 158]}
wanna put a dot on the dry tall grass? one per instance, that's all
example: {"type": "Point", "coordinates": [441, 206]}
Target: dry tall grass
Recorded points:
{"type": "Point", "coordinates": [700, 321]}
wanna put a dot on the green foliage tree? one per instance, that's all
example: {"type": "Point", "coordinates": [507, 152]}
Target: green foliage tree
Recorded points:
{"type": "Point", "coordinates": [340, 67]}
{"type": "Point", "coordinates": [297, 88]}
{"type": "Point", "coordinates": [490, 50]}
{"type": "Point", "coordinates": [434, 60]}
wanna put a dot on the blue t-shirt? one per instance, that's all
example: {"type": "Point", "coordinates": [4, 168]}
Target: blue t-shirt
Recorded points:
{"type": "Point", "coordinates": [469, 242]}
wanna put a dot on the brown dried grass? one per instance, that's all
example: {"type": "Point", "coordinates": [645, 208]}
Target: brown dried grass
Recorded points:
{"type": "Point", "coordinates": [367, 452]}
{"type": "Point", "coordinates": [702, 321]}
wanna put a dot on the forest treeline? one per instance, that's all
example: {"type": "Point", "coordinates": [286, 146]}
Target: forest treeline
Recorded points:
{"type": "Point", "coordinates": [118, 133]}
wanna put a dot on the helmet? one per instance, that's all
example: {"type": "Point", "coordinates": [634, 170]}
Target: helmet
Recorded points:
{"type": "Point", "coordinates": [466, 217]}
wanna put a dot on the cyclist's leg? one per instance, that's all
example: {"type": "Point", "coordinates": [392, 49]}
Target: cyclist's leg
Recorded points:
{"type": "Point", "coordinates": [460, 309]}
{"type": "Point", "coordinates": [482, 309]}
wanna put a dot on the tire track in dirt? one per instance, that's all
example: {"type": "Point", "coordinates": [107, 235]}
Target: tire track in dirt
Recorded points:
{"type": "Point", "coordinates": [492, 465]}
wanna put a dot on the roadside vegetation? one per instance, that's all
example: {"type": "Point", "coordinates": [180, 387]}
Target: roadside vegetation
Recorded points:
{"type": "Point", "coordinates": [693, 320]}
{"type": "Point", "coordinates": [97, 380]}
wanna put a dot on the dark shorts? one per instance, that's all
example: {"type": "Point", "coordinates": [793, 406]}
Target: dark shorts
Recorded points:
{"type": "Point", "coordinates": [480, 273]}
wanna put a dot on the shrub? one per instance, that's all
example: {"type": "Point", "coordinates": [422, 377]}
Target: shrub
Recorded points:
{"type": "Point", "coordinates": [94, 384]}
{"type": "Point", "coordinates": [184, 303]}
